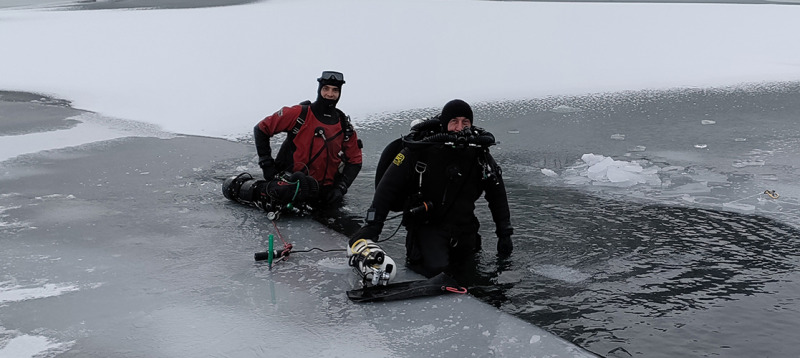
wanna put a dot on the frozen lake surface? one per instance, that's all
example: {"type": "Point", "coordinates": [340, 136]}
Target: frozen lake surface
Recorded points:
{"type": "Point", "coordinates": [653, 187]}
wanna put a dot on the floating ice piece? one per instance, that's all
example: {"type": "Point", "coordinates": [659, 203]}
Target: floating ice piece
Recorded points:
{"type": "Point", "coordinates": [609, 172]}
{"type": "Point", "coordinates": [17, 293]}
{"type": "Point", "coordinates": [739, 207]}
{"type": "Point", "coordinates": [33, 346]}
{"type": "Point", "coordinates": [513, 131]}
{"type": "Point", "coordinates": [637, 148]}
{"type": "Point", "coordinates": [512, 276]}
{"type": "Point", "coordinates": [740, 139]}
{"type": "Point", "coordinates": [592, 159]}
{"type": "Point", "coordinates": [672, 168]}
{"type": "Point", "coordinates": [748, 163]}
{"type": "Point", "coordinates": [692, 188]}
{"type": "Point", "coordinates": [549, 173]}
{"type": "Point", "coordinates": [701, 146]}
{"type": "Point", "coordinates": [707, 121]}
{"type": "Point", "coordinates": [560, 273]}
{"type": "Point", "coordinates": [618, 136]}
{"type": "Point", "coordinates": [565, 109]}
{"type": "Point", "coordinates": [623, 172]}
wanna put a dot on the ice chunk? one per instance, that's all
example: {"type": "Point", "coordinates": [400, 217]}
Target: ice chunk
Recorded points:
{"type": "Point", "coordinates": [565, 109]}
{"type": "Point", "coordinates": [15, 293]}
{"type": "Point", "coordinates": [637, 148]}
{"type": "Point", "coordinates": [688, 198]}
{"type": "Point", "coordinates": [739, 207]}
{"type": "Point", "coordinates": [701, 146]}
{"type": "Point", "coordinates": [603, 170]}
{"type": "Point", "coordinates": [692, 188]}
{"type": "Point", "coordinates": [748, 163]}
{"type": "Point", "coordinates": [549, 172]}
{"type": "Point", "coordinates": [623, 171]}
{"type": "Point", "coordinates": [618, 136]}
{"type": "Point", "coordinates": [707, 122]}
{"type": "Point", "coordinates": [561, 273]}
{"type": "Point", "coordinates": [672, 168]}
{"type": "Point", "coordinates": [33, 346]}
{"type": "Point", "coordinates": [592, 159]}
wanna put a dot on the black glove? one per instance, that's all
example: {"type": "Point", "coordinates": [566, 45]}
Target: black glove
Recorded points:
{"type": "Point", "coordinates": [268, 171]}
{"type": "Point", "coordinates": [370, 231]}
{"type": "Point", "coordinates": [336, 194]}
{"type": "Point", "coordinates": [504, 246]}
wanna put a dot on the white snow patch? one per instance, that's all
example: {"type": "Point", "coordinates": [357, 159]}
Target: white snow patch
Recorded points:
{"type": "Point", "coordinates": [27, 346]}
{"type": "Point", "coordinates": [16, 293]}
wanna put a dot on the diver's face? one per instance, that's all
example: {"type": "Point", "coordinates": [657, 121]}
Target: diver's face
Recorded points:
{"type": "Point", "coordinates": [330, 92]}
{"type": "Point", "coordinates": [457, 124]}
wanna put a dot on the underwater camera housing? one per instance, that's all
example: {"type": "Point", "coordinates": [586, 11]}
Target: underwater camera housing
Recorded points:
{"type": "Point", "coordinates": [371, 262]}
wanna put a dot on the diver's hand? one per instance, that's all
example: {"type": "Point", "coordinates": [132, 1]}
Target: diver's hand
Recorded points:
{"type": "Point", "coordinates": [504, 246]}
{"type": "Point", "coordinates": [268, 171]}
{"type": "Point", "coordinates": [370, 231]}
{"type": "Point", "coordinates": [336, 195]}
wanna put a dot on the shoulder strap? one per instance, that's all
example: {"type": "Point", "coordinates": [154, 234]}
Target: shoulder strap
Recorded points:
{"type": "Point", "coordinates": [344, 121]}
{"type": "Point", "coordinates": [347, 127]}
{"type": "Point", "coordinates": [301, 118]}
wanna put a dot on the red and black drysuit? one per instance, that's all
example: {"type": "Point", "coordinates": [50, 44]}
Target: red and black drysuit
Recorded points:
{"type": "Point", "coordinates": [324, 143]}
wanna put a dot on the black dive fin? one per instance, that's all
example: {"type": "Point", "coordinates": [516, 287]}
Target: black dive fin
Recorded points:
{"type": "Point", "coordinates": [434, 286]}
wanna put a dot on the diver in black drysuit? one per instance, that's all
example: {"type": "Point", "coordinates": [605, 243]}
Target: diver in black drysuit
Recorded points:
{"type": "Point", "coordinates": [435, 180]}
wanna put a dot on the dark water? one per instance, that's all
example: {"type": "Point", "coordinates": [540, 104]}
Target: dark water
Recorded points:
{"type": "Point", "coordinates": [625, 276]}
{"type": "Point", "coordinates": [654, 281]}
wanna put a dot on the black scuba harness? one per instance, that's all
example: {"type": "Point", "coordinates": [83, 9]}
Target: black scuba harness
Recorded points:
{"type": "Point", "coordinates": [429, 134]}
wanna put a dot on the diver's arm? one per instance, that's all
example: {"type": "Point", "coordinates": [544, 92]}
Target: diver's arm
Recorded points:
{"type": "Point", "coordinates": [498, 200]}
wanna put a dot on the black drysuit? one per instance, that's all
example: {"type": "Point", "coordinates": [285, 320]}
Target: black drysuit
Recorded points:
{"type": "Point", "coordinates": [449, 180]}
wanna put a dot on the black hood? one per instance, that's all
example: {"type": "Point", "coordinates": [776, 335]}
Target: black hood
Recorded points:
{"type": "Point", "coordinates": [323, 105]}
{"type": "Point", "coordinates": [325, 109]}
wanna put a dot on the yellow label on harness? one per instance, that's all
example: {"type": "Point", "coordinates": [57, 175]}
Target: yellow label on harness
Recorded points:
{"type": "Point", "coordinates": [399, 159]}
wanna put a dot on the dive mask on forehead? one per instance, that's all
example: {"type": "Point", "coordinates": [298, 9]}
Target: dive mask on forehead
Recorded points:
{"type": "Point", "coordinates": [331, 76]}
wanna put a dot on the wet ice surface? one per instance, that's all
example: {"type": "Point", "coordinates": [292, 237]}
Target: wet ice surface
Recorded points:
{"type": "Point", "coordinates": [126, 246]}
{"type": "Point", "coordinates": [120, 247]}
